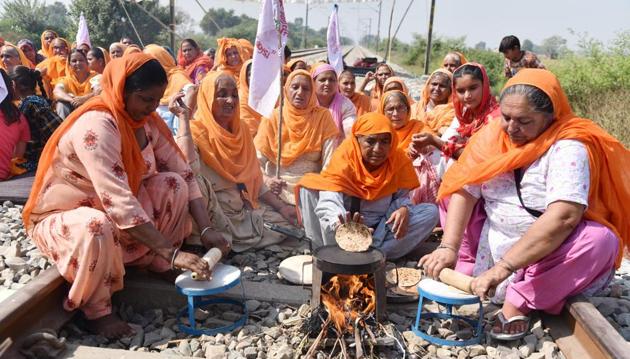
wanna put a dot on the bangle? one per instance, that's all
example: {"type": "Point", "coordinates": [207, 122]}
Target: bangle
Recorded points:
{"type": "Point", "coordinates": [506, 265]}
{"type": "Point", "coordinates": [446, 246]}
{"type": "Point", "coordinates": [173, 258]}
{"type": "Point", "coordinates": [203, 231]}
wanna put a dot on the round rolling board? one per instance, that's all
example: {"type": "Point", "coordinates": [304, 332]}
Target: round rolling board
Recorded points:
{"type": "Point", "coordinates": [224, 277]}
{"type": "Point", "coordinates": [444, 293]}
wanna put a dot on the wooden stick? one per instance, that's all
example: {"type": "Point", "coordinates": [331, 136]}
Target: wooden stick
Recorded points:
{"type": "Point", "coordinates": [357, 340]}
{"type": "Point", "coordinates": [280, 110]}
{"type": "Point", "coordinates": [344, 350]}
{"type": "Point", "coordinates": [311, 351]}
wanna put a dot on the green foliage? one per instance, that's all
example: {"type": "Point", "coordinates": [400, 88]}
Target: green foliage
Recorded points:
{"type": "Point", "coordinates": [27, 19]}
{"type": "Point", "coordinates": [108, 22]}
{"type": "Point", "coordinates": [554, 47]}
{"type": "Point", "coordinates": [222, 18]}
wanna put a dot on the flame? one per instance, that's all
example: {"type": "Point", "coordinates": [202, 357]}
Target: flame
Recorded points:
{"type": "Point", "coordinates": [346, 298]}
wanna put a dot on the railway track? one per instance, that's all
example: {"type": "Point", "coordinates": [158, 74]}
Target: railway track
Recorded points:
{"type": "Point", "coordinates": [580, 332]}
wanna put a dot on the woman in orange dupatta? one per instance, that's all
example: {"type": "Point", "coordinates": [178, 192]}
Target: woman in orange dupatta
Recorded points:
{"type": "Point", "coordinates": [177, 81]}
{"type": "Point", "coordinates": [112, 189]}
{"type": "Point", "coordinates": [347, 87]}
{"type": "Point", "coordinates": [395, 106]}
{"type": "Point", "coordinates": [396, 83]}
{"type": "Point", "coordinates": [74, 89]}
{"type": "Point", "coordinates": [381, 74]}
{"type": "Point", "coordinates": [229, 56]}
{"type": "Point", "coordinates": [46, 40]}
{"type": "Point", "coordinates": [55, 66]}
{"type": "Point", "coordinates": [11, 56]}
{"type": "Point", "coordinates": [221, 152]}
{"type": "Point", "coordinates": [435, 108]}
{"type": "Point", "coordinates": [556, 196]}
{"type": "Point", "coordinates": [193, 61]}
{"type": "Point", "coordinates": [250, 117]}
{"type": "Point", "coordinates": [308, 137]}
{"type": "Point", "coordinates": [369, 177]}
{"type": "Point", "coordinates": [453, 60]}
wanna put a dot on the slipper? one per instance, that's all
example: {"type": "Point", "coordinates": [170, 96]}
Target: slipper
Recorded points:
{"type": "Point", "coordinates": [510, 336]}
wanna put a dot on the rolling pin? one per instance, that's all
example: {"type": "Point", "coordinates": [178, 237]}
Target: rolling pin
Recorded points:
{"type": "Point", "coordinates": [212, 258]}
{"type": "Point", "coordinates": [456, 279]}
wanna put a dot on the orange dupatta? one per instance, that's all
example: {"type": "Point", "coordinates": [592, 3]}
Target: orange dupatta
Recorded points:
{"type": "Point", "coordinates": [248, 49]}
{"type": "Point", "coordinates": [303, 130]}
{"type": "Point", "coordinates": [177, 78]}
{"type": "Point", "coordinates": [346, 172]}
{"type": "Point", "coordinates": [110, 100]}
{"type": "Point", "coordinates": [403, 85]}
{"type": "Point", "coordinates": [361, 103]}
{"type": "Point", "coordinates": [55, 65]}
{"type": "Point", "coordinates": [132, 49]}
{"type": "Point", "coordinates": [490, 153]}
{"type": "Point", "coordinates": [404, 133]}
{"type": "Point", "coordinates": [224, 44]}
{"type": "Point", "coordinates": [249, 116]}
{"type": "Point", "coordinates": [441, 115]}
{"type": "Point", "coordinates": [47, 50]}
{"type": "Point", "coordinates": [24, 61]}
{"type": "Point", "coordinates": [229, 153]}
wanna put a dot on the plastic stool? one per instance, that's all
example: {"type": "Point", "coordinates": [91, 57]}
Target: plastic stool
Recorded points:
{"type": "Point", "coordinates": [224, 277]}
{"type": "Point", "coordinates": [441, 293]}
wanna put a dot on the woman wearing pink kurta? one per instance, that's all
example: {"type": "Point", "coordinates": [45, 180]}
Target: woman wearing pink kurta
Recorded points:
{"type": "Point", "coordinates": [112, 189]}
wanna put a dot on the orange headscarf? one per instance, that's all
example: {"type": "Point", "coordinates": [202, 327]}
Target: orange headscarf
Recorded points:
{"type": "Point", "coordinates": [55, 65]}
{"type": "Point", "coordinates": [250, 117]}
{"type": "Point", "coordinates": [191, 66]}
{"type": "Point", "coordinates": [346, 172]}
{"type": "Point", "coordinates": [441, 115]}
{"type": "Point", "coordinates": [110, 100]}
{"type": "Point", "coordinates": [490, 153]}
{"type": "Point", "coordinates": [407, 131]}
{"type": "Point", "coordinates": [224, 44]}
{"type": "Point", "coordinates": [303, 130]}
{"type": "Point", "coordinates": [248, 49]}
{"type": "Point", "coordinates": [47, 49]}
{"type": "Point", "coordinates": [177, 78]}
{"type": "Point", "coordinates": [291, 64]}
{"type": "Point", "coordinates": [132, 49]}
{"type": "Point", "coordinates": [403, 85]}
{"type": "Point", "coordinates": [24, 61]}
{"type": "Point", "coordinates": [229, 153]}
{"type": "Point", "coordinates": [377, 91]}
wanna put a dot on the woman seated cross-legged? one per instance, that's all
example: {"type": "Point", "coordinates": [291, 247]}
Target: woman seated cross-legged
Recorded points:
{"type": "Point", "coordinates": [221, 152]}
{"type": "Point", "coordinates": [370, 175]}
{"type": "Point", "coordinates": [112, 189]}
{"type": "Point", "coordinates": [555, 192]}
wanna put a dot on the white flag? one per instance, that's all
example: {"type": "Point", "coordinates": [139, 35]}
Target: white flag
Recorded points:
{"type": "Point", "coordinates": [83, 35]}
{"type": "Point", "coordinates": [268, 59]}
{"type": "Point", "coordinates": [335, 57]}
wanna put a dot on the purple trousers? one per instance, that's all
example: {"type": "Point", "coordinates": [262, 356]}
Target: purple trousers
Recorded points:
{"type": "Point", "coordinates": [586, 256]}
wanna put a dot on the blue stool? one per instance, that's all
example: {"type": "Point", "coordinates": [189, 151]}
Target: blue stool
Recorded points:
{"type": "Point", "coordinates": [224, 277]}
{"type": "Point", "coordinates": [443, 294]}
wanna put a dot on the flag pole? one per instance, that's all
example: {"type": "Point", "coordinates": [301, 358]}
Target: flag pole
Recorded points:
{"type": "Point", "coordinates": [281, 54]}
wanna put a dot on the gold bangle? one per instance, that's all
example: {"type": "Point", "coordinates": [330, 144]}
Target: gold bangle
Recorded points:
{"type": "Point", "coordinates": [203, 231]}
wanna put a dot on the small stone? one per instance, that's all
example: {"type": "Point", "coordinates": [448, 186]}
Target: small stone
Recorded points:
{"type": "Point", "coordinates": [283, 351]}
{"type": "Point", "coordinates": [152, 337]}
{"type": "Point", "coordinates": [274, 332]}
{"type": "Point", "coordinates": [215, 351]}
{"type": "Point", "coordinates": [443, 353]}
{"type": "Point", "coordinates": [250, 353]}
{"type": "Point", "coordinates": [476, 350]}
{"type": "Point", "coordinates": [16, 263]}
{"type": "Point", "coordinates": [616, 291]}
{"type": "Point", "coordinates": [397, 318]}
{"type": "Point", "coordinates": [623, 319]}
{"type": "Point", "coordinates": [167, 333]}
{"type": "Point", "coordinates": [231, 316]}
{"type": "Point", "coordinates": [464, 334]}
{"type": "Point", "coordinates": [252, 305]}
{"type": "Point", "coordinates": [625, 333]}
{"type": "Point", "coordinates": [201, 314]}
{"type": "Point", "coordinates": [198, 354]}
{"type": "Point", "coordinates": [184, 348]}
{"type": "Point", "coordinates": [536, 356]}
{"type": "Point", "coordinates": [24, 279]}
{"type": "Point", "coordinates": [538, 332]}
{"type": "Point", "coordinates": [261, 265]}
{"type": "Point", "coordinates": [526, 350]}
{"type": "Point", "coordinates": [606, 308]}
{"type": "Point", "coordinates": [444, 332]}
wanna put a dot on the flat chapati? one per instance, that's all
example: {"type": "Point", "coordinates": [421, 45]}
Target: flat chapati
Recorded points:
{"type": "Point", "coordinates": [353, 237]}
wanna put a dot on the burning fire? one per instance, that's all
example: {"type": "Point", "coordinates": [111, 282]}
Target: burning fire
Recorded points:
{"type": "Point", "coordinates": [348, 297]}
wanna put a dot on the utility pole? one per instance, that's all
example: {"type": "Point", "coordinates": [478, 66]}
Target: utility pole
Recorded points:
{"type": "Point", "coordinates": [369, 37]}
{"type": "Point", "coordinates": [305, 27]}
{"type": "Point", "coordinates": [172, 25]}
{"type": "Point", "coordinates": [427, 56]}
{"type": "Point", "coordinates": [378, 27]}
{"type": "Point", "coordinates": [389, 33]}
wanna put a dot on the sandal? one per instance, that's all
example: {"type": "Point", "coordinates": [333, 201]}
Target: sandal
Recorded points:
{"type": "Point", "coordinates": [507, 336]}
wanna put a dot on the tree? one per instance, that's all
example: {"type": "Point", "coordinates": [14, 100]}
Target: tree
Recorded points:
{"type": "Point", "coordinates": [108, 22]}
{"type": "Point", "coordinates": [527, 45]}
{"type": "Point", "coordinates": [554, 46]}
{"type": "Point", "coordinates": [29, 18]}
{"type": "Point", "coordinates": [481, 45]}
{"type": "Point", "coordinates": [221, 17]}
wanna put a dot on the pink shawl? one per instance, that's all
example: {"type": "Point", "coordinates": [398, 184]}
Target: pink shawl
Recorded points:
{"type": "Point", "coordinates": [337, 102]}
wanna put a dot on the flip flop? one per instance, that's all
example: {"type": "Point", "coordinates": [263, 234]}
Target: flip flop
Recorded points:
{"type": "Point", "coordinates": [513, 336]}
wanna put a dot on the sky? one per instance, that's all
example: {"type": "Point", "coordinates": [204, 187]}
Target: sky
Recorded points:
{"type": "Point", "coordinates": [483, 20]}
